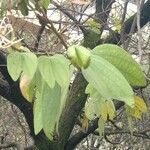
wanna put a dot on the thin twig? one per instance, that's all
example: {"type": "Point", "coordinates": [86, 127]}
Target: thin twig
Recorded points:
{"type": "Point", "coordinates": [123, 20]}
{"type": "Point", "coordinates": [139, 33]}
{"type": "Point", "coordinates": [77, 23]}
{"type": "Point", "coordinates": [39, 35]}
{"type": "Point", "coordinates": [51, 26]}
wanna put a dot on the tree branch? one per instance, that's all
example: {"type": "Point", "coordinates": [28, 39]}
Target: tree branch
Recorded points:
{"type": "Point", "coordinates": [103, 9]}
{"type": "Point", "coordinates": [11, 91]}
{"type": "Point", "coordinates": [39, 35]}
{"type": "Point", "coordinates": [18, 146]}
{"type": "Point", "coordinates": [144, 18]}
{"type": "Point", "coordinates": [78, 137]}
{"type": "Point", "coordinates": [10, 145]}
{"type": "Point", "coordinates": [3, 68]}
{"type": "Point", "coordinates": [77, 23]}
{"type": "Point", "coordinates": [48, 22]}
{"type": "Point", "coordinates": [75, 102]}
{"type": "Point", "coordinates": [4, 89]}
{"type": "Point", "coordinates": [142, 134]}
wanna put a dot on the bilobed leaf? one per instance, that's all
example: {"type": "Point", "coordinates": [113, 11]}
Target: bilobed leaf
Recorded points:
{"type": "Point", "coordinates": [51, 102]}
{"type": "Point", "coordinates": [29, 64]}
{"type": "Point", "coordinates": [37, 111]}
{"type": "Point", "coordinates": [123, 62]}
{"type": "Point", "coordinates": [14, 65]}
{"type": "Point", "coordinates": [107, 80]}
{"type": "Point", "coordinates": [46, 70]}
{"type": "Point", "coordinates": [60, 68]}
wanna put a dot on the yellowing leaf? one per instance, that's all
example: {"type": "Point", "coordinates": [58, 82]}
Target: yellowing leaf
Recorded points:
{"type": "Point", "coordinates": [94, 25]}
{"type": "Point", "coordinates": [138, 109]}
{"type": "Point", "coordinates": [107, 110]}
{"type": "Point", "coordinates": [85, 123]}
{"type": "Point", "coordinates": [118, 25]}
{"type": "Point", "coordinates": [103, 111]}
{"type": "Point", "coordinates": [111, 111]}
{"type": "Point", "coordinates": [24, 87]}
{"type": "Point", "coordinates": [17, 45]}
{"type": "Point", "coordinates": [137, 113]}
{"type": "Point", "coordinates": [140, 104]}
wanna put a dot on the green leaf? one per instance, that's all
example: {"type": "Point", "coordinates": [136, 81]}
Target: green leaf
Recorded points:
{"type": "Point", "coordinates": [14, 65]}
{"type": "Point", "coordinates": [91, 38]}
{"type": "Point", "coordinates": [23, 6]}
{"type": "Point", "coordinates": [123, 62]}
{"type": "Point", "coordinates": [64, 93]}
{"type": "Point", "coordinates": [98, 106]}
{"type": "Point", "coordinates": [46, 70]}
{"type": "Point", "coordinates": [37, 111]}
{"type": "Point", "coordinates": [45, 3]}
{"type": "Point", "coordinates": [38, 80]}
{"type": "Point", "coordinates": [60, 68]}
{"type": "Point", "coordinates": [93, 105]}
{"type": "Point", "coordinates": [92, 109]}
{"type": "Point", "coordinates": [50, 109]}
{"type": "Point", "coordinates": [29, 64]}
{"type": "Point", "coordinates": [108, 81]}
{"type": "Point", "coordinates": [101, 127]}
{"type": "Point", "coordinates": [79, 56]}
{"type": "Point", "coordinates": [94, 94]}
